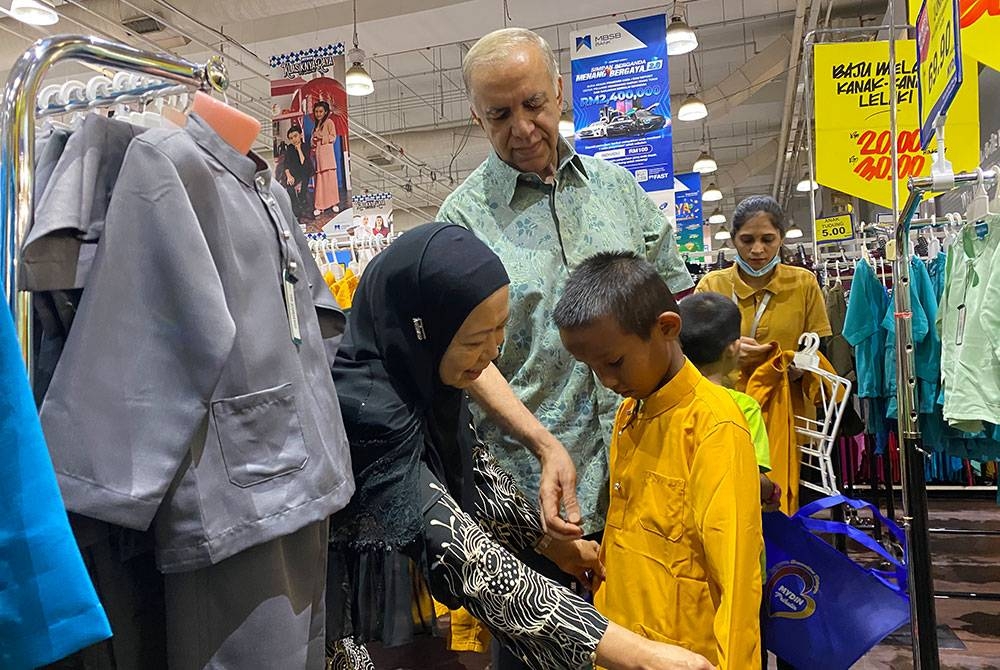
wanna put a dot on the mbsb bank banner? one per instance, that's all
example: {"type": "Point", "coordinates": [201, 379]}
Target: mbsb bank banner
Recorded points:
{"type": "Point", "coordinates": [621, 98]}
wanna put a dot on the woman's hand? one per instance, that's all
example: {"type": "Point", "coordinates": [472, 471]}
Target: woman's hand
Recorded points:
{"type": "Point", "coordinates": [752, 353]}
{"type": "Point", "coordinates": [558, 485]}
{"type": "Point", "coordinates": [621, 649]}
{"type": "Point", "coordinates": [580, 558]}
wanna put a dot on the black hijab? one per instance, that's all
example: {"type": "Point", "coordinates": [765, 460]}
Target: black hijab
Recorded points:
{"type": "Point", "coordinates": [412, 299]}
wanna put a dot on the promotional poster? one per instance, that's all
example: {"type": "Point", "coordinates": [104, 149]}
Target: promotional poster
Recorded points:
{"type": "Point", "coordinates": [689, 221]}
{"type": "Point", "coordinates": [373, 214]}
{"type": "Point", "coordinates": [309, 121]}
{"type": "Point", "coordinates": [621, 98]}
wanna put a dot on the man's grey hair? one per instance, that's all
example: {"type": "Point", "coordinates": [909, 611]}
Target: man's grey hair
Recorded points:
{"type": "Point", "coordinates": [498, 46]}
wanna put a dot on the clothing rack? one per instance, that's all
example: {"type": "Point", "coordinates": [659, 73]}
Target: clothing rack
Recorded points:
{"type": "Point", "coordinates": [923, 619]}
{"type": "Point", "coordinates": [18, 115]}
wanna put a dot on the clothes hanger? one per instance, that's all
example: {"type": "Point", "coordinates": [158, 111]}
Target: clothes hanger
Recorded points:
{"type": "Point", "coordinates": [979, 207]}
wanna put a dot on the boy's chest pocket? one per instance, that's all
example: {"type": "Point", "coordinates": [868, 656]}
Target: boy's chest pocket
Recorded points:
{"type": "Point", "coordinates": [660, 505]}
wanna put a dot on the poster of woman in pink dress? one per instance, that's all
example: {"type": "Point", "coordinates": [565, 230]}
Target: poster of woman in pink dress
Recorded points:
{"type": "Point", "coordinates": [315, 105]}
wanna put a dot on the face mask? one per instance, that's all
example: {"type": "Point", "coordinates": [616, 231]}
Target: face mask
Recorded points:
{"type": "Point", "coordinates": [758, 273]}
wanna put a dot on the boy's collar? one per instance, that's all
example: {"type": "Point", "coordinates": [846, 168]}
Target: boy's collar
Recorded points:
{"type": "Point", "coordinates": [671, 393]}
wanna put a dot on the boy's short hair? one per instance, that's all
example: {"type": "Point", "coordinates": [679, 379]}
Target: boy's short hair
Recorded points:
{"type": "Point", "coordinates": [710, 322]}
{"type": "Point", "coordinates": [619, 284]}
{"type": "Point", "coordinates": [293, 129]}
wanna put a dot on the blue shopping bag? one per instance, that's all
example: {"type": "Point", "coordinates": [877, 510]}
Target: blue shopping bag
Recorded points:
{"type": "Point", "coordinates": [822, 610]}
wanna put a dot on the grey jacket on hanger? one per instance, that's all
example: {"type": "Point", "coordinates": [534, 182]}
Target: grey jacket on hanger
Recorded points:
{"type": "Point", "coordinates": [183, 400]}
{"type": "Point", "coordinates": [71, 210]}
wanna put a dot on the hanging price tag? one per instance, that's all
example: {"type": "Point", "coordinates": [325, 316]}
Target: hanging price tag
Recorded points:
{"type": "Point", "coordinates": [834, 229]}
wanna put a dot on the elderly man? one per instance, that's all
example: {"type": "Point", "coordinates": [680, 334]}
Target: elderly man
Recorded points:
{"type": "Point", "coordinates": [543, 209]}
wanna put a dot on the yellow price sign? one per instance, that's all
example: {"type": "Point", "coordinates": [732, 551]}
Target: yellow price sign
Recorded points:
{"type": "Point", "coordinates": [979, 21]}
{"type": "Point", "coordinates": [940, 61]}
{"type": "Point", "coordinates": [853, 137]}
{"type": "Point", "coordinates": [834, 229]}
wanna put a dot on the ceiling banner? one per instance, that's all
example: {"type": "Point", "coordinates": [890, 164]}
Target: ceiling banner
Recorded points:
{"type": "Point", "coordinates": [621, 98]}
{"type": "Point", "coordinates": [853, 137]}
{"type": "Point", "coordinates": [309, 121]}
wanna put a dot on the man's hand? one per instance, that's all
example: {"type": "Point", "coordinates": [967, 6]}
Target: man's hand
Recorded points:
{"type": "Point", "coordinates": [558, 485]}
{"type": "Point", "coordinates": [580, 558]}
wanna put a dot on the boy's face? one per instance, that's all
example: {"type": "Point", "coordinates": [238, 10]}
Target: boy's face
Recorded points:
{"type": "Point", "coordinates": [627, 364]}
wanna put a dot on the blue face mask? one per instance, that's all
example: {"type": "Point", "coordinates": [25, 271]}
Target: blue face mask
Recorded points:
{"type": "Point", "coordinates": [758, 273]}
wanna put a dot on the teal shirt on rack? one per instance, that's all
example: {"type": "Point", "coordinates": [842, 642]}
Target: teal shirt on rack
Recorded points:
{"type": "Point", "coordinates": [48, 607]}
{"type": "Point", "coordinates": [541, 231]}
{"type": "Point", "coordinates": [863, 330]}
{"type": "Point", "coordinates": [926, 341]}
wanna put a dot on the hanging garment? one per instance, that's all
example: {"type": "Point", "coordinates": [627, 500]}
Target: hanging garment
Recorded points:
{"type": "Point", "coordinates": [838, 349]}
{"type": "Point", "coordinates": [58, 251]}
{"type": "Point", "coordinates": [194, 393]}
{"type": "Point", "coordinates": [48, 608]}
{"type": "Point", "coordinates": [683, 538]}
{"type": "Point", "coordinates": [970, 331]}
{"type": "Point", "coordinates": [926, 342]}
{"type": "Point", "coordinates": [781, 400]}
{"type": "Point", "coordinates": [863, 330]}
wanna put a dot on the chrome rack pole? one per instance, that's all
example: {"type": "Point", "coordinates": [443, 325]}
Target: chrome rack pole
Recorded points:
{"type": "Point", "coordinates": [923, 618]}
{"type": "Point", "coordinates": [17, 137]}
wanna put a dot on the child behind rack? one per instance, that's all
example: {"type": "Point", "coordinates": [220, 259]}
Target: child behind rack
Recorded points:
{"type": "Point", "coordinates": [682, 542]}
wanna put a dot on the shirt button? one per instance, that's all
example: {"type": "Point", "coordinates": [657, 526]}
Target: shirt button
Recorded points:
{"type": "Point", "coordinates": [286, 234]}
{"type": "Point", "coordinates": [293, 266]}
{"type": "Point", "coordinates": [618, 487]}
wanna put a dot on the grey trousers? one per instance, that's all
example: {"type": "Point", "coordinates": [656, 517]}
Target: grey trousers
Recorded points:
{"type": "Point", "coordinates": [262, 609]}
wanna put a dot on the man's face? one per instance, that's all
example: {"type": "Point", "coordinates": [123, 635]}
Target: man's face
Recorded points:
{"type": "Point", "coordinates": [519, 107]}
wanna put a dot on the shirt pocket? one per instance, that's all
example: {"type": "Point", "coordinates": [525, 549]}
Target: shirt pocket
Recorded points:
{"type": "Point", "coordinates": [260, 435]}
{"type": "Point", "coordinates": [661, 505]}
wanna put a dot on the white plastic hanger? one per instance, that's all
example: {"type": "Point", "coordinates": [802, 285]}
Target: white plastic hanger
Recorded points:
{"type": "Point", "coordinates": [807, 358]}
{"type": "Point", "coordinates": [979, 207]}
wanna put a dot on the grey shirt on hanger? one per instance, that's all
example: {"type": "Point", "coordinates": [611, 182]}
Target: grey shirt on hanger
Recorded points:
{"type": "Point", "coordinates": [71, 210]}
{"type": "Point", "coordinates": [182, 401]}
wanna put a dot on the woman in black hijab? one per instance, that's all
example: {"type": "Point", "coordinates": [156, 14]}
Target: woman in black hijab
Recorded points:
{"type": "Point", "coordinates": [427, 318]}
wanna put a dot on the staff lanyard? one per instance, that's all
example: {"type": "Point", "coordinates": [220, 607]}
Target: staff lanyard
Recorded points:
{"type": "Point", "coordinates": [760, 311]}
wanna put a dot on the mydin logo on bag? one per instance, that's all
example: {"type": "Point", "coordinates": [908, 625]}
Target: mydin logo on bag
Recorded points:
{"type": "Point", "coordinates": [599, 40]}
{"type": "Point", "coordinates": [790, 590]}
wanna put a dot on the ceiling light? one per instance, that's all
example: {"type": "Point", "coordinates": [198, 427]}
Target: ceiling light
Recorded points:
{"type": "Point", "coordinates": [680, 38]}
{"type": "Point", "coordinates": [723, 235]}
{"type": "Point", "coordinates": [712, 193]}
{"type": "Point", "coordinates": [32, 12]}
{"type": "Point", "coordinates": [692, 109]}
{"type": "Point", "coordinates": [794, 232]}
{"type": "Point", "coordinates": [717, 217]}
{"type": "Point", "coordinates": [705, 163]}
{"type": "Point", "coordinates": [806, 184]}
{"type": "Point", "coordinates": [357, 81]}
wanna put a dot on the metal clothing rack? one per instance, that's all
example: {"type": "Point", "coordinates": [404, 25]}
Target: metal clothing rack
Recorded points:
{"type": "Point", "coordinates": [18, 112]}
{"type": "Point", "coordinates": [923, 619]}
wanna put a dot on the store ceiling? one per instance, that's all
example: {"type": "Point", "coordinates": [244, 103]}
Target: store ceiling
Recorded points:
{"type": "Point", "coordinates": [413, 136]}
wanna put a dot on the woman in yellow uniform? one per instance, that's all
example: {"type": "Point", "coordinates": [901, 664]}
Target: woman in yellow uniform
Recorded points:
{"type": "Point", "coordinates": [777, 302]}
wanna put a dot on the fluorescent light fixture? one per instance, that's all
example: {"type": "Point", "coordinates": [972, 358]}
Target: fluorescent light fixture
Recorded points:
{"type": "Point", "coordinates": [680, 38]}
{"type": "Point", "coordinates": [712, 193]}
{"type": "Point", "coordinates": [805, 184]}
{"type": "Point", "coordinates": [717, 217]}
{"type": "Point", "coordinates": [692, 109]}
{"type": "Point", "coordinates": [705, 163]}
{"type": "Point", "coordinates": [723, 235]}
{"type": "Point", "coordinates": [794, 232]}
{"type": "Point", "coordinates": [32, 12]}
{"type": "Point", "coordinates": [357, 80]}
{"type": "Point", "coordinates": [566, 128]}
